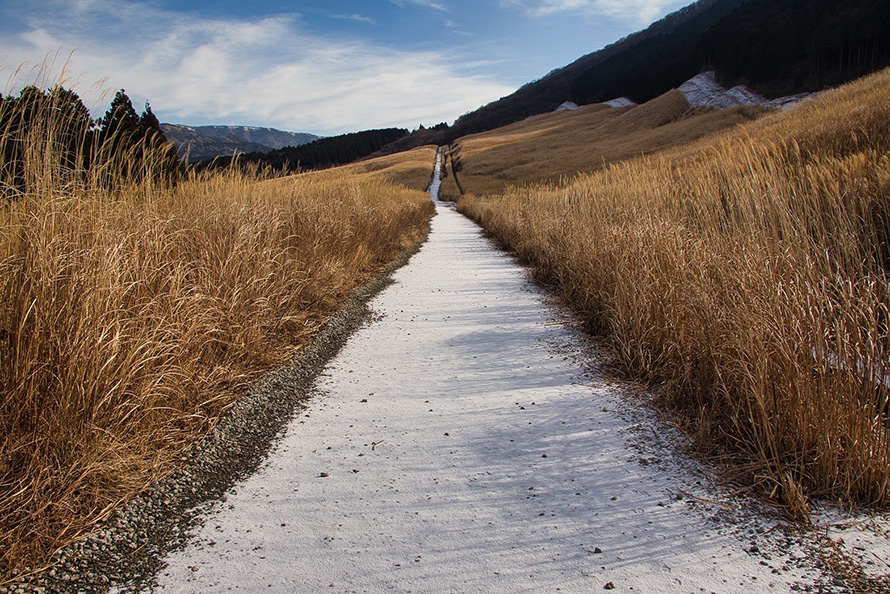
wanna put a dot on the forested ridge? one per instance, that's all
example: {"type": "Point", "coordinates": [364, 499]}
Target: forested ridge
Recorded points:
{"type": "Point", "coordinates": [780, 47]}
{"type": "Point", "coordinates": [324, 152]}
{"type": "Point", "coordinates": [653, 65]}
{"type": "Point", "coordinates": [776, 47]}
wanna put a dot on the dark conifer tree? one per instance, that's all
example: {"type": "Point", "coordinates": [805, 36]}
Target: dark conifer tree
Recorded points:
{"type": "Point", "coordinates": [164, 158]}
{"type": "Point", "coordinates": [150, 126]}
{"type": "Point", "coordinates": [74, 127]}
{"type": "Point", "coordinates": [120, 123]}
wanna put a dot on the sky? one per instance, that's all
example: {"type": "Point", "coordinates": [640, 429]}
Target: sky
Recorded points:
{"type": "Point", "coordinates": [320, 66]}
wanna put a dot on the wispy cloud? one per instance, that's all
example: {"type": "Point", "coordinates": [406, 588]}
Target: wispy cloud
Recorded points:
{"type": "Point", "coordinates": [354, 17]}
{"type": "Point", "coordinates": [425, 3]}
{"type": "Point", "coordinates": [268, 71]}
{"type": "Point", "coordinates": [642, 11]}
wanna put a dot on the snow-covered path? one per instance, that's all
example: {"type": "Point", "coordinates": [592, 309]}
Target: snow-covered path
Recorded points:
{"type": "Point", "coordinates": [456, 444]}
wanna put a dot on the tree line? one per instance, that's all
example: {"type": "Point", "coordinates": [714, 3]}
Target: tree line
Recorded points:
{"type": "Point", "coordinates": [322, 153]}
{"type": "Point", "coordinates": [781, 47]}
{"type": "Point", "coordinates": [120, 146]}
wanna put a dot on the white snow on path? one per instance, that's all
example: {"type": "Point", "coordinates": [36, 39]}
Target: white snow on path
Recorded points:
{"type": "Point", "coordinates": [436, 183]}
{"type": "Point", "coordinates": [456, 444]}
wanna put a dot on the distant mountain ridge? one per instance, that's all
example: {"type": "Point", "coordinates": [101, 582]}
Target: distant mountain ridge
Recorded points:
{"type": "Point", "coordinates": [207, 142]}
{"type": "Point", "coordinates": [271, 137]}
{"type": "Point", "coordinates": [321, 153]}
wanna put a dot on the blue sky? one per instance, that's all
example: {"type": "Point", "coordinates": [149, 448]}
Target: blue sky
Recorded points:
{"type": "Point", "coordinates": [321, 66]}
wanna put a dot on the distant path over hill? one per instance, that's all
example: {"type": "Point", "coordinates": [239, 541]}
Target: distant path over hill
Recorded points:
{"type": "Point", "coordinates": [459, 443]}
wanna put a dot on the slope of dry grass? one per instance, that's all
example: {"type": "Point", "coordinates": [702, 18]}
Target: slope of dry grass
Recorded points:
{"type": "Point", "coordinates": [130, 320]}
{"type": "Point", "coordinates": [555, 146]}
{"type": "Point", "coordinates": [747, 277]}
{"type": "Point", "coordinates": [412, 169]}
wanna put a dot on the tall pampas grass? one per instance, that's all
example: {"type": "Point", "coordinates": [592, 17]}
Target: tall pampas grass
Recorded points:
{"type": "Point", "coordinates": [746, 277]}
{"type": "Point", "coordinates": [135, 310]}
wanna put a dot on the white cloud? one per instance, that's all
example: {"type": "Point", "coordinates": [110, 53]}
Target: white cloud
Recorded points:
{"type": "Point", "coordinates": [426, 3]}
{"type": "Point", "coordinates": [354, 17]}
{"type": "Point", "coordinates": [263, 72]}
{"type": "Point", "coordinates": [642, 11]}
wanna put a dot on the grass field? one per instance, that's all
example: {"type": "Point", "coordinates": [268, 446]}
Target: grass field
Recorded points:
{"type": "Point", "coordinates": [131, 319]}
{"type": "Point", "coordinates": [555, 146]}
{"type": "Point", "coordinates": [412, 169]}
{"type": "Point", "coordinates": [745, 276]}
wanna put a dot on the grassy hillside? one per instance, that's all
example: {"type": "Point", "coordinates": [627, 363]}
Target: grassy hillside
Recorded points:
{"type": "Point", "coordinates": [746, 277]}
{"type": "Point", "coordinates": [549, 147]}
{"type": "Point", "coordinates": [412, 169]}
{"type": "Point", "coordinates": [131, 319]}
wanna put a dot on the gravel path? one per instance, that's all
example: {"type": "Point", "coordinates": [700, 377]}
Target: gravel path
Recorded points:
{"type": "Point", "coordinates": [458, 443]}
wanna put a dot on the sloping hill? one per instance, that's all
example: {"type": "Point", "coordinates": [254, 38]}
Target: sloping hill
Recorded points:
{"type": "Point", "coordinates": [776, 47]}
{"type": "Point", "coordinates": [547, 93]}
{"type": "Point", "coordinates": [550, 147]}
{"type": "Point", "coordinates": [412, 169]}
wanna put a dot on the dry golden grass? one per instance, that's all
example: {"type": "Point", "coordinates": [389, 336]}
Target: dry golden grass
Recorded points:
{"type": "Point", "coordinates": [412, 169]}
{"type": "Point", "coordinates": [746, 276]}
{"type": "Point", "coordinates": [554, 146]}
{"type": "Point", "coordinates": [130, 320]}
